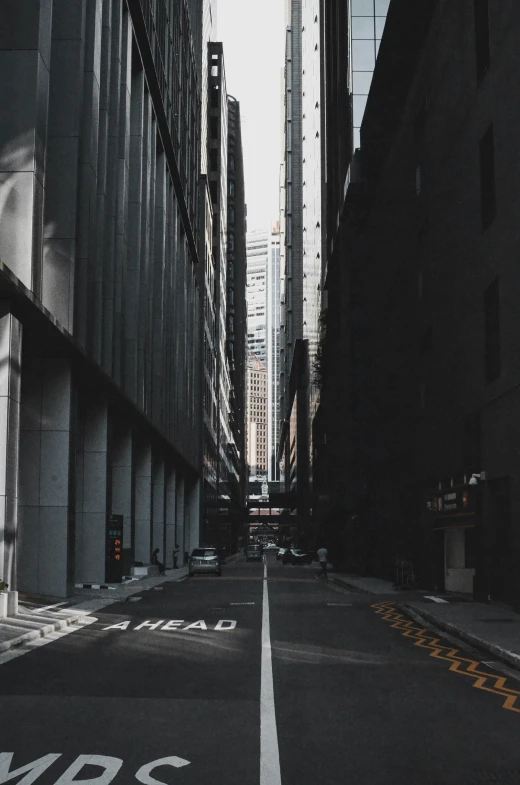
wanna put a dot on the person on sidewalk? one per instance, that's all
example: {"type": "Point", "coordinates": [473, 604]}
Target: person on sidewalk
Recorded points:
{"type": "Point", "coordinates": [322, 558]}
{"type": "Point", "coordinates": [175, 555]}
{"type": "Point", "coordinates": [155, 560]}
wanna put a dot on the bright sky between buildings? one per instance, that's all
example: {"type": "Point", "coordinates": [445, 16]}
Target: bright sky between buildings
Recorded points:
{"type": "Point", "coordinates": [253, 35]}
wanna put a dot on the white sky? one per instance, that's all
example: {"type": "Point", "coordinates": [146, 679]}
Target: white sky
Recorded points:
{"type": "Point", "coordinates": [253, 36]}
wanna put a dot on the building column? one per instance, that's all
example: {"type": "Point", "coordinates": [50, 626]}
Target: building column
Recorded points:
{"type": "Point", "coordinates": [143, 503]}
{"type": "Point", "coordinates": [122, 490]}
{"type": "Point", "coordinates": [46, 492]}
{"type": "Point", "coordinates": [24, 55]}
{"type": "Point", "coordinates": [170, 516]}
{"type": "Point", "coordinates": [95, 493]}
{"type": "Point", "coordinates": [10, 368]}
{"type": "Point", "coordinates": [158, 510]}
{"type": "Point", "coordinates": [180, 507]}
{"type": "Point", "coordinates": [192, 535]}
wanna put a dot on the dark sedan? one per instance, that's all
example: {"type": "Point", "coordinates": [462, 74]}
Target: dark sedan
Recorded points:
{"type": "Point", "coordinates": [296, 556]}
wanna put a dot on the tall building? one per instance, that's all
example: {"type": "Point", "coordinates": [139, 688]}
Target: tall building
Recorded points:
{"type": "Point", "coordinates": [216, 511]}
{"type": "Point", "coordinates": [346, 80]}
{"type": "Point", "coordinates": [101, 290]}
{"type": "Point", "coordinates": [237, 313]}
{"type": "Point", "coordinates": [257, 244]}
{"type": "Point", "coordinates": [273, 352]}
{"type": "Point", "coordinates": [257, 417]}
{"type": "Point", "coordinates": [263, 324]}
{"type": "Point", "coordinates": [303, 250]}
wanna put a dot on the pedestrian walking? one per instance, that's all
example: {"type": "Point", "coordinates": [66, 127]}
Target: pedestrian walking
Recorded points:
{"type": "Point", "coordinates": [155, 560]}
{"type": "Point", "coordinates": [175, 555]}
{"type": "Point", "coordinates": [322, 558]}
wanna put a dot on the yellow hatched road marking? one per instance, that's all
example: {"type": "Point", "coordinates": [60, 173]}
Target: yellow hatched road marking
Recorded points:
{"type": "Point", "coordinates": [488, 682]}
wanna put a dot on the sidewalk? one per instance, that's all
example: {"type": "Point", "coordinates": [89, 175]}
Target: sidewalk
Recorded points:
{"type": "Point", "coordinates": [492, 629]}
{"type": "Point", "coordinates": [31, 623]}
{"type": "Point", "coordinates": [367, 585]}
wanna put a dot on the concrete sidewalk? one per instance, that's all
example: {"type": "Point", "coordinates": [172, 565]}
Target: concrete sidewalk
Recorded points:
{"type": "Point", "coordinates": [32, 622]}
{"type": "Point", "coordinates": [492, 629]}
{"type": "Point", "coordinates": [367, 585]}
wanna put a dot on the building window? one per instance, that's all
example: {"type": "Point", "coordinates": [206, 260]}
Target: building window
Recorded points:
{"type": "Point", "coordinates": [487, 178]}
{"type": "Point", "coordinates": [492, 329]}
{"type": "Point", "coordinates": [481, 37]}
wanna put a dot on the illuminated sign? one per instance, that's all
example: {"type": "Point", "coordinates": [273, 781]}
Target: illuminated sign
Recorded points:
{"type": "Point", "coordinates": [114, 549]}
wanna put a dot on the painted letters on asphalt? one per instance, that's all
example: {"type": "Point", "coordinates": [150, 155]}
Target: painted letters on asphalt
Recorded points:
{"type": "Point", "coordinates": [110, 766]}
{"type": "Point", "coordinates": [222, 625]}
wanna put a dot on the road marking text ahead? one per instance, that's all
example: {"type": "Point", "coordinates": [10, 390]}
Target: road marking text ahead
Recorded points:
{"type": "Point", "coordinates": [173, 624]}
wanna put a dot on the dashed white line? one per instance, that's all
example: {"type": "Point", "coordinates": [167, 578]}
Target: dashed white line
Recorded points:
{"type": "Point", "coordinates": [269, 752]}
{"type": "Point", "coordinates": [435, 599]}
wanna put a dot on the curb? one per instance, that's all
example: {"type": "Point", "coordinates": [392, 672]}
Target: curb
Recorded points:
{"type": "Point", "coordinates": [46, 629]}
{"type": "Point", "coordinates": [350, 586]}
{"type": "Point", "coordinates": [504, 655]}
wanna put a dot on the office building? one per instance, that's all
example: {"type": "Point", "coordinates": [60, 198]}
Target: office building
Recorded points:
{"type": "Point", "coordinates": [101, 290]}
{"type": "Point", "coordinates": [257, 418]}
{"type": "Point", "coordinates": [273, 352]}
{"type": "Point", "coordinates": [236, 315]}
{"type": "Point", "coordinates": [263, 324]}
{"type": "Point", "coordinates": [301, 288]}
{"type": "Point", "coordinates": [257, 244]}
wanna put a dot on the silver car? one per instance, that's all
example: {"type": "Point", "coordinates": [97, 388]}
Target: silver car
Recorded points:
{"type": "Point", "coordinates": [204, 560]}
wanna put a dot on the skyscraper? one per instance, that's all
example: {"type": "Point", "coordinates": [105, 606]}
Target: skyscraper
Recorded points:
{"type": "Point", "coordinates": [101, 289]}
{"type": "Point", "coordinates": [273, 352]}
{"type": "Point", "coordinates": [257, 292]}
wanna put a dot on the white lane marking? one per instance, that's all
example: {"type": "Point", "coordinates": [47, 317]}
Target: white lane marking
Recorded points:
{"type": "Point", "coordinates": [435, 599]}
{"type": "Point", "coordinates": [241, 603]}
{"type": "Point", "coordinates": [18, 651]}
{"type": "Point", "coordinates": [269, 753]}
{"type": "Point", "coordinates": [48, 607]}
{"type": "Point", "coordinates": [135, 599]}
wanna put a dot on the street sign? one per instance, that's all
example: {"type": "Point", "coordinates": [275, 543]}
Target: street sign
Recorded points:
{"type": "Point", "coordinates": [114, 549]}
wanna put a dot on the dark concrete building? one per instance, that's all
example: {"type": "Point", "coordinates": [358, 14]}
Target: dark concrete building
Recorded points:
{"type": "Point", "coordinates": [101, 288]}
{"type": "Point", "coordinates": [236, 326]}
{"type": "Point", "coordinates": [421, 276]}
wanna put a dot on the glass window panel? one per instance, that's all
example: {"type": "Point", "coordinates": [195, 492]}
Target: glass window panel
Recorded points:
{"type": "Point", "coordinates": [362, 7]}
{"type": "Point", "coordinates": [357, 139]}
{"type": "Point", "coordinates": [362, 81]}
{"type": "Point", "coordinates": [382, 7]}
{"type": "Point", "coordinates": [363, 27]}
{"type": "Point", "coordinates": [378, 42]}
{"type": "Point", "coordinates": [380, 26]}
{"type": "Point", "coordinates": [363, 55]}
{"type": "Point", "coordinates": [358, 104]}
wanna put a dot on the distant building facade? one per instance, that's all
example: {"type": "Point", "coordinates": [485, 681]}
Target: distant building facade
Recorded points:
{"type": "Point", "coordinates": [258, 243]}
{"type": "Point", "coordinates": [257, 417]}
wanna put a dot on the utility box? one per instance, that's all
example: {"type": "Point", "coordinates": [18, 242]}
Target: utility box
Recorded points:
{"type": "Point", "coordinates": [114, 549]}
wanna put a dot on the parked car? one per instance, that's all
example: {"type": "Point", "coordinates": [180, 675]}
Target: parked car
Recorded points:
{"type": "Point", "coordinates": [296, 556]}
{"type": "Point", "coordinates": [253, 552]}
{"type": "Point", "coordinates": [270, 546]}
{"type": "Point", "coordinates": [204, 560]}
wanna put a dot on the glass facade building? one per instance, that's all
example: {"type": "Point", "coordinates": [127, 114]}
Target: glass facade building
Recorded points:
{"type": "Point", "coordinates": [368, 19]}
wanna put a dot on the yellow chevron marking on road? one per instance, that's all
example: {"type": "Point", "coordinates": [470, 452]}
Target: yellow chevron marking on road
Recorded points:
{"type": "Point", "coordinates": [464, 666]}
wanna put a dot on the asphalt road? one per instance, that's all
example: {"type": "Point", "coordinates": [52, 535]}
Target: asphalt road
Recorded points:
{"type": "Point", "coordinates": [206, 681]}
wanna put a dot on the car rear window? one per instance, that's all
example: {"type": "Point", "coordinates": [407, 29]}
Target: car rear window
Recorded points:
{"type": "Point", "coordinates": [204, 552]}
